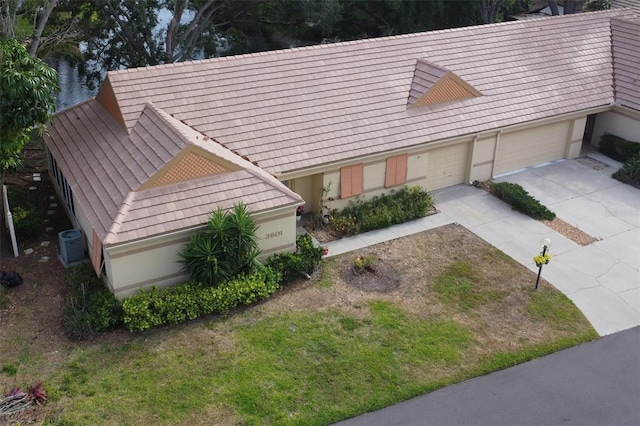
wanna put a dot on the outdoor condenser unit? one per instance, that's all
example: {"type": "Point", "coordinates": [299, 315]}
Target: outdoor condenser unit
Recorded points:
{"type": "Point", "coordinates": [71, 246]}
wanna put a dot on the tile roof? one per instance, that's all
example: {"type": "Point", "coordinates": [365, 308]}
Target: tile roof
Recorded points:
{"type": "Point", "coordinates": [294, 109]}
{"type": "Point", "coordinates": [626, 61]}
{"type": "Point", "coordinates": [108, 170]}
{"type": "Point", "coordinates": [631, 4]}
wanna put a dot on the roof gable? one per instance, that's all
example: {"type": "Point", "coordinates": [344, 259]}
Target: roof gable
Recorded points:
{"type": "Point", "coordinates": [191, 163]}
{"type": "Point", "coordinates": [433, 84]}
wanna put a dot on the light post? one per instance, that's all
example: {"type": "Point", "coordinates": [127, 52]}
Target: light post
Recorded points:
{"type": "Point", "coordinates": [543, 258]}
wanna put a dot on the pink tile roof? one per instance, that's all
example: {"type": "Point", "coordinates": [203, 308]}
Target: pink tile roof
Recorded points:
{"type": "Point", "coordinates": [107, 168]}
{"type": "Point", "coordinates": [626, 61]}
{"type": "Point", "coordinates": [294, 109]}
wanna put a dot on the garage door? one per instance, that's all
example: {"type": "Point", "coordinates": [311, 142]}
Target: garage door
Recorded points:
{"type": "Point", "coordinates": [530, 147]}
{"type": "Point", "coordinates": [447, 166]}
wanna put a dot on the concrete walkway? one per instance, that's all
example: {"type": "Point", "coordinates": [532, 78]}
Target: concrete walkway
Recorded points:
{"type": "Point", "coordinates": [602, 279]}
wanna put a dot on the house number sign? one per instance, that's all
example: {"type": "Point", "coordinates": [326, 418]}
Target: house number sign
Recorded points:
{"type": "Point", "coordinates": [273, 234]}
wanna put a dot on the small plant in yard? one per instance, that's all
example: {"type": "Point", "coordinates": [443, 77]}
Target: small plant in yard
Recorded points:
{"type": "Point", "coordinates": [520, 200]}
{"type": "Point", "coordinates": [364, 263]}
{"type": "Point", "coordinates": [17, 400]}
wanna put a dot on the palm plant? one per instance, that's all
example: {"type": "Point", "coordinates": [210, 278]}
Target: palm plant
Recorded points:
{"type": "Point", "coordinates": [227, 247]}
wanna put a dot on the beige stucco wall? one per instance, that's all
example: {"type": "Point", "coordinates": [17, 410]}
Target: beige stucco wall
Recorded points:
{"type": "Point", "coordinates": [616, 123]}
{"type": "Point", "coordinates": [374, 176]}
{"type": "Point", "coordinates": [154, 261]}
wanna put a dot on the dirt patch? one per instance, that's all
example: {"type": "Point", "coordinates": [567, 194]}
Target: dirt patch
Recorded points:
{"type": "Point", "coordinates": [570, 231]}
{"type": "Point", "coordinates": [592, 162]}
{"type": "Point", "coordinates": [381, 276]}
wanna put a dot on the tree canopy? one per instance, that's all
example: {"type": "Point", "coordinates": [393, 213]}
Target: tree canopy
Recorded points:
{"type": "Point", "coordinates": [28, 88]}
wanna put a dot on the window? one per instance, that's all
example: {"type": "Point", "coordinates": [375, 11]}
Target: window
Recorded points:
{"type": "Point", "coordinates": [396, 173]}
{"type": "Point", "coordinates": [351, 180]}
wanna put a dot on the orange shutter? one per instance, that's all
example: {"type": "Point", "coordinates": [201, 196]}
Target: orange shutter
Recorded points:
{"type": "Point", "coordinates": [357, 177]}
{"type": "Point", "coordinates": [345, 182]}
{"type": "Point", "coordinates": [401, 169]}
{"type": "Point", "coordinates": [396, 173]}
{"type": "Point", "coordinates": [351, 180]}
{"type": "Point", "coordinates": [390, 176]}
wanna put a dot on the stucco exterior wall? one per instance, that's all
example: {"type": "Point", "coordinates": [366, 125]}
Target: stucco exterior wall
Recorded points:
{"type": "Point", "coordinates": [616, 123]}
{"type": "Point", "coordinates": [154, 261]}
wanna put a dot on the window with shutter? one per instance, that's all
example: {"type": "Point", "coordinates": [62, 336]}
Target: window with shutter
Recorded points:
{"type": "Point", "coordinates": [396, 173]}
{"type": "Point", "coordinates": [351, 180]}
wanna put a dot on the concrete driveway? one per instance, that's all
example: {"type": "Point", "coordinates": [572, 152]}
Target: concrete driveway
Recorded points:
{"type": "Point", "coordinates": [602, 278]}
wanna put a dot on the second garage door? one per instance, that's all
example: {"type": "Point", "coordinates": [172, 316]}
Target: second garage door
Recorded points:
{"type": "Point", "coordinates": [530, 147]}
{"type": "Point", "coordinates": [447, 166]}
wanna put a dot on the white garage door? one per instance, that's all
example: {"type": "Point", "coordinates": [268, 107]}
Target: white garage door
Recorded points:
{"type": "Point", "coordinates": [530, 147]}
{"type": "Point", "coordinates": [447, 166]}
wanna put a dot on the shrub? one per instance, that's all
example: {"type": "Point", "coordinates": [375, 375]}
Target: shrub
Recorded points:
{"type": "Point", "coordinates": [520, 200]}
{"type": "Point", "coordinates": [618, 148]}
{"type": "Point", "coordinates": [27, 218]}
{"type": "Point", "coordinates": [291, 266]}
{"type": "Point", "coordinates": [382, 211]}
{"type": "Point", "coordinates": [90, 307]}
{"type": "Point", "coordinates": [629, 172]}
{"type": "Point", "coordinates": [364, 263]}
{"type": "Point", "coordinates": [152, 307]}
{"type": "Point", "coordinates": [226, 248]}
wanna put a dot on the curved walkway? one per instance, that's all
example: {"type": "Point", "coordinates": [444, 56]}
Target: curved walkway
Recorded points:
{"type": "Point", "coordinates": [602, 279]}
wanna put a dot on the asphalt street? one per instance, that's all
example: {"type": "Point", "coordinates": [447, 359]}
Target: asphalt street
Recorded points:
{"type": "Point", "coordinates": [597, 383]}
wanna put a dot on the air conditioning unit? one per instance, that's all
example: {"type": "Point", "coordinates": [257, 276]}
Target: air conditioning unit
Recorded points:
{"type": "Point", "coordinates": [71, 250]}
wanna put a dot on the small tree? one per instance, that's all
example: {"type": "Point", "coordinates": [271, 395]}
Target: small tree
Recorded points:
{"type": "Point", "coordinates": [227, 247]}
{"type": "Point", "coordinates": [28, 88]}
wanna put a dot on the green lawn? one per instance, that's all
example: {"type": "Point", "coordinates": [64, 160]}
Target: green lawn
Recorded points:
{"type": "Point", "coordinates": [283, 362]}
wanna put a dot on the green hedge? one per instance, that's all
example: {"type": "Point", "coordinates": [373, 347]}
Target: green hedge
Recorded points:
{"type": "Point", "coordinates": [382, 211]}
{"type": "Point", "coordinates": [520, 200]}
{"type": "Point", "coordinates": [292, 266]}
{"type": "Point", "coordinates": [172, 305]}
{"type": "Point", "coordinates": [618, 148]}
{"type": "Point", "coordinates": [629, 173]}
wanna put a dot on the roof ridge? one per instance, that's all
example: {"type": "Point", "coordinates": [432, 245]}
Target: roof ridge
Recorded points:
{"type": "Point", "coordinates": [119, 219]}
{"type": "Point", "coordinates": [546, 20]}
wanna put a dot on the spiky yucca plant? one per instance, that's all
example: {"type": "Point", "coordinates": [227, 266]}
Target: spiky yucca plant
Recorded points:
{"type": "Point", "coordinates": [227, 247]}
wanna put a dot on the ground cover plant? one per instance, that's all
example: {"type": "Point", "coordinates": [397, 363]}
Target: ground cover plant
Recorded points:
{"type": "Point", "coordinates": [445, 306]}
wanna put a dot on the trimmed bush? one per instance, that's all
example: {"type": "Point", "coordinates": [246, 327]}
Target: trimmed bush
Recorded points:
{"type": "Point", "coordinates": [90, 307]}
{"type": "Point", "coordinates": [27, 218]}
{"type": "Point", "coordinates": [520, 200]}
{"type": "Point", "coordinates": [618, 148]}
{"type": "Point", "coordinates": [173, 305]}
{"type": "Point", "coordinates": [382, 211]}
{"type": "Point", "coordinates": [292, 266]}
{"type": "Point", "coordinates": [629, 173]}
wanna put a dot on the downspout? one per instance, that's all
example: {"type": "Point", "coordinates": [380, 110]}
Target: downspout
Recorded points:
{"type": "Point", "coordinates": [495, 154]}
{"type": "Point", "coordinates": [473, 154]}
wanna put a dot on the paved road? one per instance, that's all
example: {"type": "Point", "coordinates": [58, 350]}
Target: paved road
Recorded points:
{"type": "Point", "coordinates": [597, 383]}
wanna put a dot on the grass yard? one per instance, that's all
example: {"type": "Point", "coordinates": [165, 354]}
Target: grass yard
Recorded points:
{"type": "Point", "coordinates": [437, 308]}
